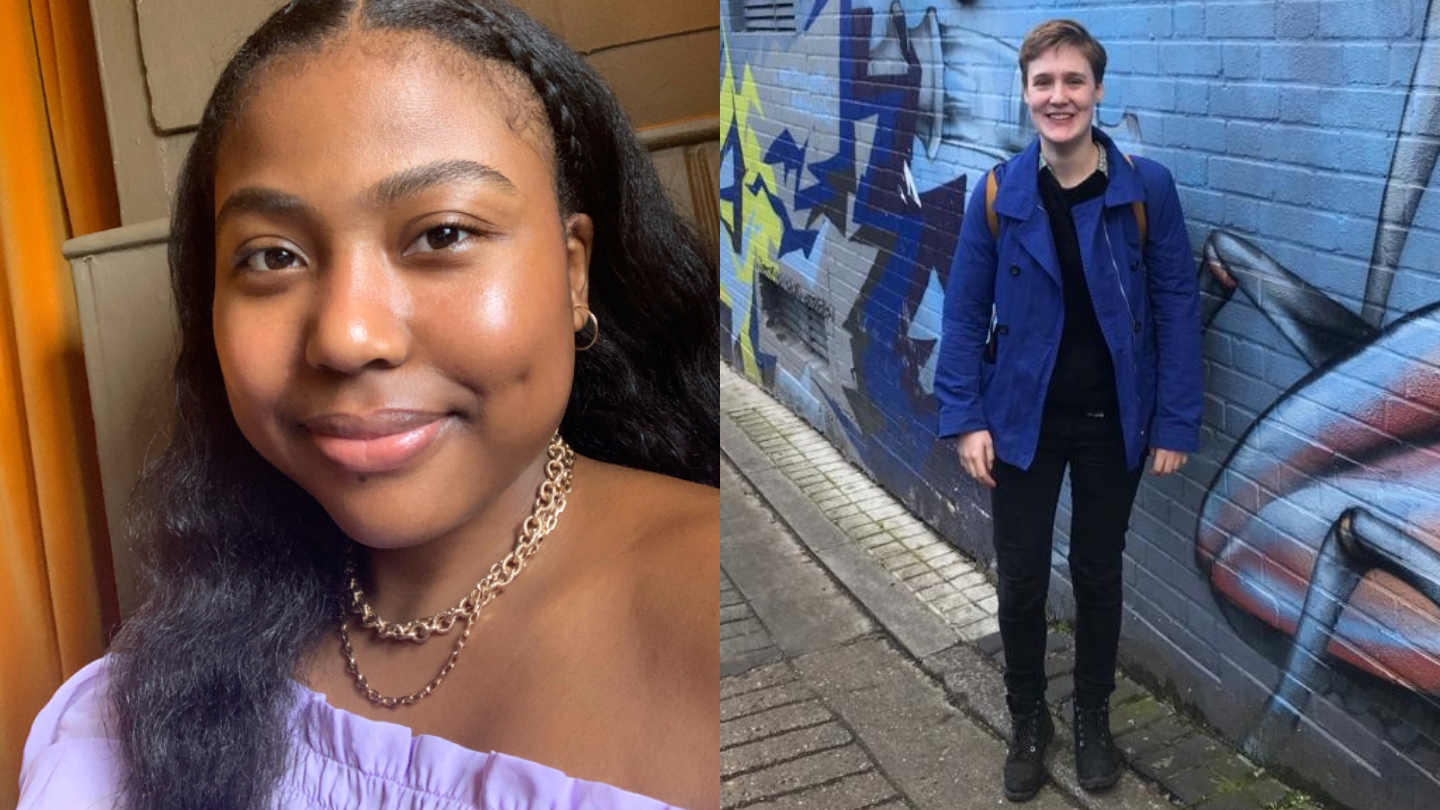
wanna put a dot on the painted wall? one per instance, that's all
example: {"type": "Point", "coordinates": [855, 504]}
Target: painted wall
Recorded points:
{"type": "Point", "coordinates": [1285, 586]}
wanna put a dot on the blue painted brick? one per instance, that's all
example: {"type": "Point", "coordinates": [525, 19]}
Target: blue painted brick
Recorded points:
{"type": "Point", "coordinates": [1188, 19]}
{"type": "Point", "coordinates": [1366, 63]}
{"type": "Point", "coordinates": [1250, 359]}
{"type": "Point", "coordinates": [1195, 133]}
{"type": "Point", "coordinates": [1351, 152]}
{"type": "Point", "coordinates": [1251, 140]}
{"type": "Point", "coordinates": [1134, 57]}
{"type": "Point", "coordinates": [1254, 101]}
{"type": "Point", "coordinates": [1241, 213]}
{"type": "Point", "coordinates": [1193, 59]}
{"type": "Point", "coordinates": [1245, 177]}
{"type": "Point", "coordinates": [1308, 62]}
{"type": "Point", "coordinates": [1192, 96]}
{"type": "Point", "coordinates": [1249, 392]}
{"type": "Point", "coordinates": [1139, 94]}
{"type": "Point", "coordinates": [1203, 204]}
{"type": "Point", "coordinates": [1189, 169]}
{"type": "Point", "coordinates": [1138, 22]}
{"type": "Point", "coordinates": [1241, 61]}
{"type": "Point", "coordinates": [1403, 57]}
{"type": "Point", "coordinates": [1240, 20]}
{"type": "Point", "coordinates": [1377, 19]}
{"type": "Point", "coordinates": [1297, 19]}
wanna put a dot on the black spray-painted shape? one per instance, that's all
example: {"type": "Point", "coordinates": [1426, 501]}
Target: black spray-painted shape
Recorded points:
{"type": "Point", "coordinates": [1319, 327]}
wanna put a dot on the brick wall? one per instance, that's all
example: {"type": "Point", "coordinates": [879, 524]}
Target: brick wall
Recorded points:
{"type": "Point", "coordinates": [1285, 586]}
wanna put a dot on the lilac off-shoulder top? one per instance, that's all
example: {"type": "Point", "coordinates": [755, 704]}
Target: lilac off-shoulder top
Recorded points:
{"type": "Point", "coordinates": [342, 760]}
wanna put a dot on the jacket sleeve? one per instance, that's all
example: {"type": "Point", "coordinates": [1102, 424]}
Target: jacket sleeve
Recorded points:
{"type": "Point", "coordinates": [1174, 290]}
{"type": "Point", "coordinates": [969, 296]}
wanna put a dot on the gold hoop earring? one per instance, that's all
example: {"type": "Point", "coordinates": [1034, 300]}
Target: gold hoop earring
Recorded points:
{"type": "Point", "coordinates": [591, 317]}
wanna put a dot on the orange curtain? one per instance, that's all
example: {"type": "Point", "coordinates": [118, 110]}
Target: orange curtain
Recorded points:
{"type": "Point", "coordinates": [57, 589]}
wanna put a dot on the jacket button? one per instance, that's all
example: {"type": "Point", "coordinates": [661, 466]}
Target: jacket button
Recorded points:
{"type": "Point", "coordinates": [1137, 327]}
{"type": "Point", "coordinates": [1135, 266]}
{"type": "Point", "coordinates": [1014, 269]}
{"type": "Point", "coordinates": [1002, 329]}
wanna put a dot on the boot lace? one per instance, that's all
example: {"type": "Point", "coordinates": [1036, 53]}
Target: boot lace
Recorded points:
{"type": "Point", "coordinates": [1092, 726]}
{"type": "Point", "coordinates": [1027, 734]}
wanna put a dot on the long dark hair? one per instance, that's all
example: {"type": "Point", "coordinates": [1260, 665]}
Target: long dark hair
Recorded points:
{"type": "Point", "coordinates": [242, 566]}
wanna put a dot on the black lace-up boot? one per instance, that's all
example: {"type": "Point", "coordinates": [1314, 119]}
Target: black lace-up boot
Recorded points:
{"type": "Point", "coordinates": [1097, 763]}
{"type": "Point", "coordinates": [1031, 732]}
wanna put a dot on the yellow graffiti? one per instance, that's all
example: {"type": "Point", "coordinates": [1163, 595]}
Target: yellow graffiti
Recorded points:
{"type": "Point", "coordinates": [752, 217]}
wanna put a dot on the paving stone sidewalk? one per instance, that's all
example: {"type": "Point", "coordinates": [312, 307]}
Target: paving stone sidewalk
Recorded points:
{"type": "Point", "coordinates": [818, 708]}
{"type": "Point", "coordinates": [940, 606]}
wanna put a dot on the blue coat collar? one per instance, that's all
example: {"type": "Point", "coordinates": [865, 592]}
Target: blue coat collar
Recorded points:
{"type": "Point", "coordinates": [1019, 198]}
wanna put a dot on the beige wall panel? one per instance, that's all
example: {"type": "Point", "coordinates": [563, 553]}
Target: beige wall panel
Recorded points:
{"type": "Point", "coordinates": [675, 176]}
{"type": "Point", "coordinates": [127, 322]}
{"type": "Point", "coordinates": [134, 146]}
{"type": "Point", "coordinates": [703, 164]}
{"type": "Point", "coordinates": [185, 51]}
{"type": "Point", "coordinates": [687, 86]}
{"type": "Point", "coordinates": [595, 25]}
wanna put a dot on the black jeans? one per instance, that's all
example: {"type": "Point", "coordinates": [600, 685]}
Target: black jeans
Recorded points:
{"type": "Point", "coordinates": [1024, 501]}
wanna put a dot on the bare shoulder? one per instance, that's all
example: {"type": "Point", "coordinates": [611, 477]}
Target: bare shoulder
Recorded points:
{"type": "Point", "coordinates": [662, 536]}
{"type": "Point", "coordinates": [664, 516]}
{"type": "Point", "coordinates": [667, 556]}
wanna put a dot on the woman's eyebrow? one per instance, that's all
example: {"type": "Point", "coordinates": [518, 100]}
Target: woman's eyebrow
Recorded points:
{"type": "Point", "coordinates": [416, 179]}
{"type": "Point", "coordinates": [264, 201]}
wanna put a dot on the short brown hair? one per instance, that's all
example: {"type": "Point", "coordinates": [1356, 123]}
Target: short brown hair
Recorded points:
{"type": "Point", "coordinates": [1053, 34]}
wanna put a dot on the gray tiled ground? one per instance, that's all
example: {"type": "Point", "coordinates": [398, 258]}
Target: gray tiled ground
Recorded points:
{"type": "Point", "coordinates": [940, 576]}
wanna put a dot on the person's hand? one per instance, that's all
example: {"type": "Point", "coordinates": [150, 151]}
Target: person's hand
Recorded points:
{"type": "Point", "coordinates": [1167, 461]}
{"type": "Point", "coordinates": [977, 455]}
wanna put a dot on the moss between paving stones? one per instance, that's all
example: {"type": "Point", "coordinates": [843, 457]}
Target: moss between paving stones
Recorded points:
{"type": "Point", "coordinates": [1137, 714]}
{"type": "Point", "coordinates": [1164, 762]}
{"type": "Point", "coordinates": [1194, 786]}
{"type": "Point", "coordinates": [1164, 731]}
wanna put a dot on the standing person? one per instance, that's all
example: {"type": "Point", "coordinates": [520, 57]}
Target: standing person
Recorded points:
{"type": "Point", "coordinates": [435, 310]}
{"type": "Point", "coordinates": [1071, 339]}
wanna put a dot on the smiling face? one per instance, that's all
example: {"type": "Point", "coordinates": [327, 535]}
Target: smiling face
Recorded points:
{"type": "Point", "coordinates": [395, 285]}
{"type": "Point", "coordinates": [1061, 92]}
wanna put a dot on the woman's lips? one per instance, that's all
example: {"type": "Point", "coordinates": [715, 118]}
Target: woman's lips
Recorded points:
{"type": "Point", "coordinates": [376, 442]}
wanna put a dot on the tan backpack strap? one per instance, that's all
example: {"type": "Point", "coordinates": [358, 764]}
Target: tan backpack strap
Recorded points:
{"type": "Point", "coordinates": [1139, 209]}
{"type": "Point", "coordinates": [992, 187]}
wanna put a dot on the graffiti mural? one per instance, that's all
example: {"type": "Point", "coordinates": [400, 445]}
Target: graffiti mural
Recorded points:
{"type": "Point", "coordinates": [1309, 526]}
{"type": "Point", "coordinates": [1324, 522]}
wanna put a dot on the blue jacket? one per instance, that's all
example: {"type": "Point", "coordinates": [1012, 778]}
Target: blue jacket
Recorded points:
{"type": "Point", "coordinates": [1007, 290]}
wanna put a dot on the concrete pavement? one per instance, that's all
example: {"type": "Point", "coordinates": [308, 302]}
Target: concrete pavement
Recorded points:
{"type": "Point", "coordinates": [818, 707]}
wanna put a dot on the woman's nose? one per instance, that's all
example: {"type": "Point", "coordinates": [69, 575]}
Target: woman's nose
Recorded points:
{"type": "Point", "coordinates": [359, 318]}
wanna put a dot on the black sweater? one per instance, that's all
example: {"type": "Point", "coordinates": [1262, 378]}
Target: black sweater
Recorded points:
{"type": "Point", "coordinates": [1084, 376]}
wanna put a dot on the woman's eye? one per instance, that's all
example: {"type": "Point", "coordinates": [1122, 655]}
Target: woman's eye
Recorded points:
{"type": "Point", "coordinates": [268, 259]}
{"type": "Point", "coordinates": [440, 237]}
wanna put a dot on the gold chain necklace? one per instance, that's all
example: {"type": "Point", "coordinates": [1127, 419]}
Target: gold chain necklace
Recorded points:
{"type": "Point", "coordinates": [549, 503]}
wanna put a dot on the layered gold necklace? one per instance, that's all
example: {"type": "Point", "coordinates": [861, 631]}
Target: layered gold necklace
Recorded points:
{"type": "Point", "coordinates": [549, 503]}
